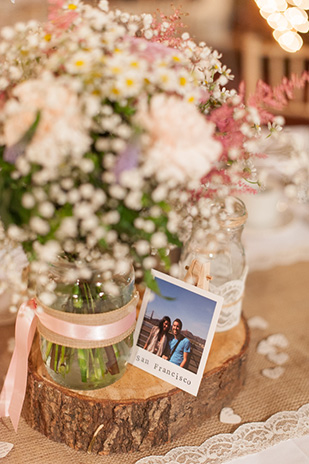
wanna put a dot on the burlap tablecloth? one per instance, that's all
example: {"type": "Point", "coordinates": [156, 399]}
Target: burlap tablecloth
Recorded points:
{"type": "Point", "coordinates": [281, 297]}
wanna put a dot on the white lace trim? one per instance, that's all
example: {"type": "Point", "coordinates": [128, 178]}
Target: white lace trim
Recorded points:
{"type": "Point", "coordinates": [247, 439]}
{"type": "Point", "coordinates": [232, 293]}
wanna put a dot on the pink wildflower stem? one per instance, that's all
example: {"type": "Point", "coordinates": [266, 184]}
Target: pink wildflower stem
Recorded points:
{"type": "Point", "coordinates": [59, 19]}
{"type": "Point", "coordinates": [277, 97]}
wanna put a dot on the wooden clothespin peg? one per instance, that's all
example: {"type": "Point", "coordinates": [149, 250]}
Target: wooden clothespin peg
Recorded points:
{"type": "Point", "coordinates": [198, 274]}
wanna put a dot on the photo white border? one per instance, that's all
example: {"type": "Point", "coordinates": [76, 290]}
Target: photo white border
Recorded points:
{"type": "Point", "coordinates": [162, 368]}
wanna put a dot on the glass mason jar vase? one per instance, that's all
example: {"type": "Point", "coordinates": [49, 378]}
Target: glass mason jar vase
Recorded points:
{"type": "Point", "coordinates": [75, 367]}
{"type": "Point", "coordinates": [222, 247]}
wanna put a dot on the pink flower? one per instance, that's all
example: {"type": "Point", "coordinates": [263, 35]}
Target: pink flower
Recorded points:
{"type": "Point", "coordinates": [267, 98]}
{"type": "Point", "coordinates": [150, 51]}
{"type": "Point", "coordinates": [61, 129]}
{"type": "Point", "coordinates": [59, 18]}
{"type": "Point", "coordinates": [181, 145]}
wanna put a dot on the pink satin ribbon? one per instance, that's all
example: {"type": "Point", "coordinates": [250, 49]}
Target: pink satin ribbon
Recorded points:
{"type": "Point", "coordinates": [87, 332]}
{"type": "Point", "coordinates": [14, 388]}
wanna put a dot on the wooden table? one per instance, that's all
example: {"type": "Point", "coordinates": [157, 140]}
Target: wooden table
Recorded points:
{"type": "Point", "coordinates": [280, 295]}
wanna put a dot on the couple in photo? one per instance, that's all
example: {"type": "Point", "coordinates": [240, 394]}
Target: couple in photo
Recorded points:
{"type": "Point", "coordinates": [173, 347]}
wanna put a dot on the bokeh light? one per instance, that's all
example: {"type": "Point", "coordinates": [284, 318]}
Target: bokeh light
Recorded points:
{"type": "Point", "coordinates": [287, 18]}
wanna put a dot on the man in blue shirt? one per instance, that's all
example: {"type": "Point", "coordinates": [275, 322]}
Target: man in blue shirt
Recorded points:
{"type": "Point", "coordinates": [179, 346]}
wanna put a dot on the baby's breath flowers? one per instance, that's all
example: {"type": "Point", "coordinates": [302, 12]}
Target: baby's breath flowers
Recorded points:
{"type": "Point", "coordinates": [13, 265]}
{"type": "Point", "coordinates": [92, 142]}
{"type": "Point", "coordinates": [108, 123]}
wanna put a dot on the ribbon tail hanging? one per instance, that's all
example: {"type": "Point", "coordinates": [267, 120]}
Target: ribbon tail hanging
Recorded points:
{"type": "Point", "coordinates": [14, 388]}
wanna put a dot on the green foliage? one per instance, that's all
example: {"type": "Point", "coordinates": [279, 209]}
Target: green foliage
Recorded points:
{"type": "Point", "coordinates": [151, 282]}
{"type": "Point", "coordinates": [11, 192]}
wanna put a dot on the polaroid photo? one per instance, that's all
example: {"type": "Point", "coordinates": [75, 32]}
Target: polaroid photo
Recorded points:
{"type": "Point", "coordinates": [174, 332]}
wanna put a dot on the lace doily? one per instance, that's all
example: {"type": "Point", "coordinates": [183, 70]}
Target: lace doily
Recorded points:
{"type": "Point", "coordinates": [232, 292]}
{"type": "Point", "coordinates": [247, 439]}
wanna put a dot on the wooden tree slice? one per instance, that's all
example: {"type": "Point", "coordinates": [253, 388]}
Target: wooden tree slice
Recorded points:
{"type": "Point", "coordinates": [139, 410]}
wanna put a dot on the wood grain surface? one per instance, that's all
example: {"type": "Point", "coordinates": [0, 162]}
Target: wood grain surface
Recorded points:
{"type": "Point", "coordinates": [139, 410]}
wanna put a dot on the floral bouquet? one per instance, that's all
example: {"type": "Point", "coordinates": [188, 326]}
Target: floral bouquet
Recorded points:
{"type": "Point", "coordinates": [111, 129]}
